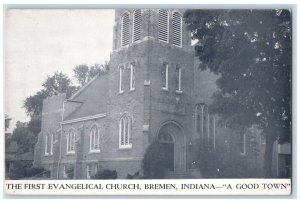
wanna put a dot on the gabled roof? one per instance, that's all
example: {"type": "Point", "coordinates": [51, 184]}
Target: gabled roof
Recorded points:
{"type": "Point", "coordinates": [90, 100]}
{"type": "Point", "coordinates": [84, 87]}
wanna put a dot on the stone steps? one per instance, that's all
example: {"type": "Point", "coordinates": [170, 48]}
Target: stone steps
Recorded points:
{"type": "Point", "coordinates": [191, 174]}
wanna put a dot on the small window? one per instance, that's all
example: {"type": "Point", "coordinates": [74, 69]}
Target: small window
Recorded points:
{"type": "Point", "coordinates": [125, 30]}
{"type": "Point", "coordinates": [132, 77]}
{"type": "Point", "coordinates": [125, 125]}
{"type": "Point", "coordinates": [68, 171]}
{"type": "Point", "coordinates": [165, 76]}
{"type": "Point", "coordinates": [88, 171]}
{"type": "Point", "coordinates": [177, 29]}
{"type": "Point", "coordinates": [95, 139]}
{"type": "Point", "coordinates": [178, 79]}
{"type": "Point", "coordinates": [137, 25]}
{"type": "Point", "coordinates": [163, 25]}
{"type": "Point", "coordinates": [65, 174]}
{"type": "Point", "coordinates": [71, 141]}
{"type": "Point", "coordinates": [121, 70]}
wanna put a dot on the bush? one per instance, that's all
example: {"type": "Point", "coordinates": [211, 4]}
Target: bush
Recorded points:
{"type": "Point", "coordinates": [105, 174]}
{"type": "Point", "coordinates": [37, 172]}
{"type": "Point", "coordinates": [210, 164]}
{"type": "Point", "coordinates": [18, 170]}
{"type": "Point", "coordinates": [21, 170]}
{"type": "Point", "coordinates": [155, 161]}
{"type": "Point", "coordinates": [136, 175]}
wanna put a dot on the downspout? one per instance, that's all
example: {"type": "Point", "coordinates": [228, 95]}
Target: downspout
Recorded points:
{"type": "Point", "coordinates": [61, 135]}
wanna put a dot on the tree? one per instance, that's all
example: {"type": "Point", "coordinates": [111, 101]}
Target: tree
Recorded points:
{"type": "Point", "coordinates": [53, 85]}
{"type": "Point", "coordinates": [84, 74]}
{"type": "Point", "coordinates": [250, 50]}
{"type": "Point", "coordinates": [24, 137]}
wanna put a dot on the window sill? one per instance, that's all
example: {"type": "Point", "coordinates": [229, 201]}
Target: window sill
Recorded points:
{"type": "Point", "coordinates": [94, 151]}
{"type": "Point", "coordinates": [177, 45]}
{"type": "Point", "coordinates": [48, 154]}
{"type": "Point", "coordinates": [164, 89]}
{"type": "Point", "coordinates": [70, 153]}
{"type": "Point", "coordinates": [132, 90]}
{"type": "Point", "coordinates": [127, 147]}
{"type": "Point", "coordinates": [121, 92]}
{"type": "Point", "coordinates": [178, 92]}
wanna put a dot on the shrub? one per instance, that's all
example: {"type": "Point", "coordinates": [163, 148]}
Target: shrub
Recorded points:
{"type": "Point", "coordinates": [136, 175]}
{"type": "Point", "coordinates": [18, 170]}
{"type": "Point", "coordinates": [105, 174]}
{"type": "Point", "coordinates": [155, 161]}
{"type": "Point", "coordinates": [35, 171]}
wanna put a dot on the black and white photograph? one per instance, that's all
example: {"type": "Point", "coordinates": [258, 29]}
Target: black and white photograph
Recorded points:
{"type": "Point", "coordinates": [148, 94]}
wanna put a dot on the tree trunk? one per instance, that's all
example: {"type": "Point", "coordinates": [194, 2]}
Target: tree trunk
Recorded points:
{"type": "Point", "coordinates": [270, 139]}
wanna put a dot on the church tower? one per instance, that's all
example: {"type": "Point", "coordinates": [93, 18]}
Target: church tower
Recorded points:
{"type": "Point", "coordinates": [152, 83]}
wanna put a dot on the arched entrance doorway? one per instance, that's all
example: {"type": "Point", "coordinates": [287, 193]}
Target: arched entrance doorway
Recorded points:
{"type": "Point", "coordinates": [172, 137]}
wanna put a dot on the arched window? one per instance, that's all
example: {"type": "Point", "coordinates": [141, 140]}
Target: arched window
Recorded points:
{"type": "Point", "coordinates": [137, 25]}
{"type": "Point", "coordinates": [95, 139]}
{"type": "Point", "coordinates": [125, 30]}
{"type": "Point", "coordinates": [163, 25]}
{"type": "Point", "coordinates": [71, 141]}
{"type": "Point", "coordinates": [177, 29]}
{"type": "Point", "coordinates": [205, 127]}
{"type": "Point", "coordinates": [125, 125]}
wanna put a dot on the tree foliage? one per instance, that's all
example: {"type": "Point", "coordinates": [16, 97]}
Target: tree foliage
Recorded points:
{"type": "Point", "coordinates": [84, 74]}
{"type": "Point", "coordinates": [53, 85]}
{"type": "Point", "coordinates": [251, 52]}
{"type": "Point", "coordinates": [24, 138]}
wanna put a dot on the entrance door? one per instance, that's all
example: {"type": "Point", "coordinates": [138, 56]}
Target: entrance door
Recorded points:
{"type": "Point", "coordinates": [169, 150]}
{"type": "Point", "coordinates": [172, 137]}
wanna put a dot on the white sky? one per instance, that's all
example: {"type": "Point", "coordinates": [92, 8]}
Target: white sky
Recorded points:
{"type": "Point", "coordinates": [39, 42]}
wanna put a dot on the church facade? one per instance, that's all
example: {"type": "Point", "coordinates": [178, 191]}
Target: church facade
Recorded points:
{"type": "Point", "coordinates": [153, 91]}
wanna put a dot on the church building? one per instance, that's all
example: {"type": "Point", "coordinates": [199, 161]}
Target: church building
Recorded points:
{"type": "Point", "coordinates": [153, 91]}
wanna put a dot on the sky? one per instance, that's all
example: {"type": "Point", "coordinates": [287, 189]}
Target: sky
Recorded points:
{"type": "Point", "coordinates": [39, 42]}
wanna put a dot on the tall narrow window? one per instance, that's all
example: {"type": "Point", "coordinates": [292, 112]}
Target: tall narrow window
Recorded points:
{"type": "Point", "coordinates": [48, 144]}
{"type": "Point", "coordinates": [177, 29]}
{"type": "Point", "coordinates": [165, 76]}
{"type": "Point", "coordinates": [242, 143]}
{"type": "Point", "coordinates": [132, 76]}
{"type": "Point", "coordinates": [51, 143]}
{"type": "Point", "coordinates": [71, 141]}
{"type": "Point", "coordinates": [163, 25]}
{"type": "Point", "coordinates": [125, 30]}
{"type": "Point", "coordinates": [178, 80]}
{"type": "Point", "coordinates": [137, 25]}
{"type": "Point", "coordinates": [121, 70]}
{"type": "Point", "coordinates": [95, 139]}
{"type": "Point", "coordinates": [125, 132]}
